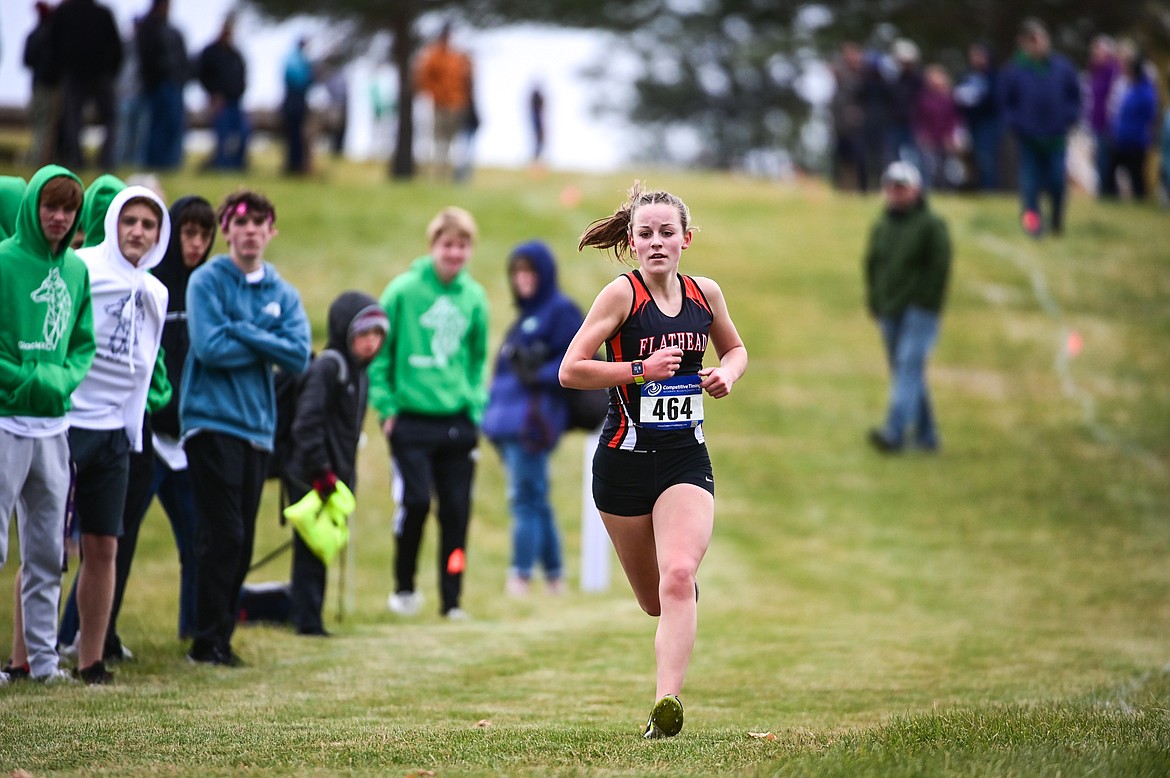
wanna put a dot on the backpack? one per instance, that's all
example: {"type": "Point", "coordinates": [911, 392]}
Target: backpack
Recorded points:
{"type": "Point", "coordinates": [287, 387]}
{"type": "Point", "coordinates": [587, 407]}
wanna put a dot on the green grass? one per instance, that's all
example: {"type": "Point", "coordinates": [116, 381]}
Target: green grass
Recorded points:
{"type": "Point", "coordinates": [1001, 609]}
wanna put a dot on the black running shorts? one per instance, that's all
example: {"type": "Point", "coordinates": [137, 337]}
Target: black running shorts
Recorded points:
{"type": "Point", "coordinates": [102, 462]}
{"type": "Point", "coordinates": [627, 483]}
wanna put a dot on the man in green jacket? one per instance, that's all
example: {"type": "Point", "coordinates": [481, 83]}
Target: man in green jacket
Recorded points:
{"type": "Point", "coordinates": [907, 264]}
{"type": "Point", "coordinates": [428, 386]}
{"type": "Point", "coordinates": [46, 349]}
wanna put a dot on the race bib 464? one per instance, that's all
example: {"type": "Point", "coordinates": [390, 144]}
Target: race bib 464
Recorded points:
{"type": "Point", "coordinates": [675, 403]}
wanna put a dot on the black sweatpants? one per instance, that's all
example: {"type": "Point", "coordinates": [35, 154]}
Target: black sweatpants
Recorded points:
{"type": "Point", "coordinates": [308, 577]}
{"type": "Point", "coordinates": [432, 455]}
{"type": "Point", "coordinates": [227, 475]}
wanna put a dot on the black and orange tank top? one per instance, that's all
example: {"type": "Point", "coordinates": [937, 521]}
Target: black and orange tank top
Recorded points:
{"type": "Point", "coordinates": [658, 414]}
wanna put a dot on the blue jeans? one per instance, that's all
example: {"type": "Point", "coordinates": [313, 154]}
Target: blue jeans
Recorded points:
{"type": "Point", "coordinates": [901, 145]}
{"type": "Point", "coordinates": [534, 529]}
{"type": "Point", "coordinates": [909, 338]}
{"type": "Point", "coordinates": [133, 124]}
{"type": "Point", "coordinates": [231, 137]}
{"type": "Point", "coordinates": [1103, 163]}
{"type": "Point", "coordinates": [164, 136]}
{"type": "Point", "coordinates": [985, 139]}
{"type": "Point", "coordinates": [177, 496]}
{"type": "Point", "coordinates": [1042, 171]}
{"type": "Point", "coordinates": [294, 112]}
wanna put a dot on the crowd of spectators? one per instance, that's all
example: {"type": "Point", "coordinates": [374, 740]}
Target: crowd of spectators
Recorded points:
{"type": "Point", "coordinates": [964, 129]}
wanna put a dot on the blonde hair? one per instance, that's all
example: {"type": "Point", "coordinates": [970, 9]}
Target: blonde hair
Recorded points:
{"type": "Point", "coordinates": [452, 219]}
{"type": "Point", "coordinates": [612, 233]}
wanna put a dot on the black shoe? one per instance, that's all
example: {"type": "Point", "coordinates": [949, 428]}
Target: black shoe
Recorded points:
{"type": "Point", "coordinates": [202, 653]}
{"type": "Point", "coordinates": [229, 658]}
{"type": "Point", "coordinates": [213, 656]}
{"type": "Point", "coordinates": [879, 441]}
{"type": "Point", "coordinates": [95, 674]}
{"type": "Point", "coordinates": [114, 651]}
{"type": "Point", "coordinates": [16, 672]}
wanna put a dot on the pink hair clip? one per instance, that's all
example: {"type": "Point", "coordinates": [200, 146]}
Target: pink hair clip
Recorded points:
{"type": "Point", "coordinates": [241, 209]}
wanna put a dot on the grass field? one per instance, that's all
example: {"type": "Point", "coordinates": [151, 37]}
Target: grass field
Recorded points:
{"type": "Point", "coordinates": [1000, 609]}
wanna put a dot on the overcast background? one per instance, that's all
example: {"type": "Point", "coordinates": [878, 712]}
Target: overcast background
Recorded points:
{"type": "Point", "coordinates": [507, 63]}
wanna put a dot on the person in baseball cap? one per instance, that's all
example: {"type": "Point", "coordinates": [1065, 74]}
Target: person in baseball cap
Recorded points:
{"type": "Point", "coordinates": [907, 265]}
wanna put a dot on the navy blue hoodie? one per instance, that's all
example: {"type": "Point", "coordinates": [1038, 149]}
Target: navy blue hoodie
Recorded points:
{"type": "Point", "coordinates": [1041, 99]}
{"type": "Point", "coordinates": [526, 401]}
{"type": "Point", "coordinates": [174, 274]}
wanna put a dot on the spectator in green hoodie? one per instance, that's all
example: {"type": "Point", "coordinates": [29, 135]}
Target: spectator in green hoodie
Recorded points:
{"type": "Point", "coordinates": [428, 385]}
{"type": "Point", "coordinates": [46, 349]}
{"type": "Point", "coordinates": [91, 224]}
{"type": "Point", "coordinates": [11, 191]}
{"type": "Point", "coordinates": [907, 264]}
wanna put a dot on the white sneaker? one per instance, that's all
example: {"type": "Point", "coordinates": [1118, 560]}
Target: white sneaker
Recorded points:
{"type": "Point", "coordinates": [71, 649]}
{"type": "Point", "coordinates": [57, 675]}
{"type": "Point", "coordinates": [457, 614]}
{"type": "Point", "coordinates": [516, 586]}
{"type": "Point", "coordinates": [405, 603]}
{"type": "Point", "coordinates": [3, 678]}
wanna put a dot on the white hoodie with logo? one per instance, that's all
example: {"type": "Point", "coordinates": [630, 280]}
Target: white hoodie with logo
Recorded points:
{"type": "Point", "coordinates": [129, 310]}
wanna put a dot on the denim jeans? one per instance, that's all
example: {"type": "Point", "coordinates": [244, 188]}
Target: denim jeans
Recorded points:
{"type": "Point", "coordinates": [174, 491]}
{"type": "Point", "coordinates": [986, 135]}
{"type": "Point", "coordinates": [909, 338]}
{"type": "Point", "coordinates": [1103, 164]}
{"type": "Point", "coordinates": [1042, 171]}
{"type": "Point", "coordinates": [164, 135]}
{"type": "Point", "coordinates": [534, 529]}
{"type": "Point", "coordinates": [231, 137]}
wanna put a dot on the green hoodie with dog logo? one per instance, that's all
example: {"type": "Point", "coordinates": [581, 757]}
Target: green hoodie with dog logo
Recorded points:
{"type": "Point", "coordinates": [46, 332]}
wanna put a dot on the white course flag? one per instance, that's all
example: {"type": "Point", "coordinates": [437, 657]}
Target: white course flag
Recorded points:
{"type": "Point", "coordinates": [595, 549]}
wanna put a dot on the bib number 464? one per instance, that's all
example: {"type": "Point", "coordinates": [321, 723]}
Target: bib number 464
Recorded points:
{"type": "Point", "coordinates": [672, 409]}
{"type": "Point", "coordinates": [676, 403]}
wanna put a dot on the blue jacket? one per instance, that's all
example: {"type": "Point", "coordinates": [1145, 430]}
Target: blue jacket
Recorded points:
{"type": "Point", "coordinates": [1134, 125]}
{"type": "Point", "coordinates": [1041, 100]}
{"type": "Point", "coordinates": [238, 331]}
{"type": "Point", "coordinates": [526, 400]}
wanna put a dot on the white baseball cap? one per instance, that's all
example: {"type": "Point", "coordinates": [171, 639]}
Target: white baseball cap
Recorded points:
{"type": "Point", "coordinates": [905, 50]}
{"type": "Point", "coordinates": [903, 173]}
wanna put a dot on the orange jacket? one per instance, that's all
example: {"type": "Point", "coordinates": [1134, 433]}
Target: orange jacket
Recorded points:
{"type": "Point", "coordinates": [444, 74]}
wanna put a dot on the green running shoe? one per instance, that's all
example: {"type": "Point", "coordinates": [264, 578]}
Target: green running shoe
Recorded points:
{"type": "Point", "coordinates": [666, 720]}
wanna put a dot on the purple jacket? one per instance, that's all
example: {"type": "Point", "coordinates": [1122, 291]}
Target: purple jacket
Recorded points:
{"type": "Point", "coordinates": [1101, 78]}
{"type": "Point", "coordinates": [935, 118]}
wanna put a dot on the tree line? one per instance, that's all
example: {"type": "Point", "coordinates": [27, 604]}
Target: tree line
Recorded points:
{"type": "Point", "coordinates": [729, 71]}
